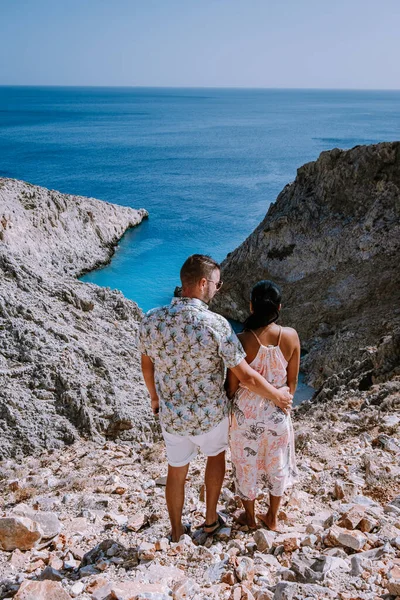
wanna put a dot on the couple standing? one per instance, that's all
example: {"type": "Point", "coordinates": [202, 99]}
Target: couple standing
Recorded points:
{"type": "Point", "coordinates": [186, 351]}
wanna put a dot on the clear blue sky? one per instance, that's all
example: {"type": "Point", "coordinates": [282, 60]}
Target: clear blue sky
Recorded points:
{"type": "Point", "coordinates": [234, 43]}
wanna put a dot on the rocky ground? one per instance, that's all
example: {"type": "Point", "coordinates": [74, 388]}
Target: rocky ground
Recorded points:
{"type": "Point", "coordinates": [90, 521]}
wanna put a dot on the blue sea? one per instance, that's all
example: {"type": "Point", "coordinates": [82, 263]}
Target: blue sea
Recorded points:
{"type": "Point", "coordinates": [205, 163]}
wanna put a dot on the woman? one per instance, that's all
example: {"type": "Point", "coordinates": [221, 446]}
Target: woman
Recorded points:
{"type": "Point", "coordinates": [262, 440]}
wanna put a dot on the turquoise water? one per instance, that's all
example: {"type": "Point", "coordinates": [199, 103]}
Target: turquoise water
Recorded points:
{"type": "Point", "coordinates": [205, 163]}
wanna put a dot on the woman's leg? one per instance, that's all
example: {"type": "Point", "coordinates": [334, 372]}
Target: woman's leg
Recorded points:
{"type": "Point", "coordinates": [244, 473]}
{"type": "Point", "coordinates": [248, 517]}
{"type": "Point", "coordinates": [270, 519]}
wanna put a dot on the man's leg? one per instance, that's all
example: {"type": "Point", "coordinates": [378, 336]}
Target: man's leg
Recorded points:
{"type": "Point", "coordinates": [175, 497]}
{"type": "Point", "coordinates": [214, 477]}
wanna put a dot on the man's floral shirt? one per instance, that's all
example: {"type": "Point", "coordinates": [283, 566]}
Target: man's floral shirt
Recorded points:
{"type": "Point", "coordinates": [191, 348]}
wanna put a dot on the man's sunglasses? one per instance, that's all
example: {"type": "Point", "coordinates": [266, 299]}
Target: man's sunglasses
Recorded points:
{"type": "Point", "coordinates": [218, 284]}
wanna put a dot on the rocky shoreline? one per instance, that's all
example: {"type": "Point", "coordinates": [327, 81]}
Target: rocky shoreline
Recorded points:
{"type": "Point", "coordinates": [68, 360]}
{"type": "Point", "coordinates": [83, 515]}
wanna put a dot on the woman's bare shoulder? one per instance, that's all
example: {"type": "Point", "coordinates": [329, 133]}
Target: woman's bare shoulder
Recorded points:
{"type": "Point", "coordinates": [245, 335]}
{"type": "Point", "coordinates": [289, 331]}
{"type": "Point", "coordinates": [289, 334]}
{"type": "Point", "coordinates": [246, 338]}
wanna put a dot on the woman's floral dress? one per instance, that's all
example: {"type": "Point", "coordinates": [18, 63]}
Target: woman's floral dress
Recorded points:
{"type": "Point", "coordinates": [262, 438]}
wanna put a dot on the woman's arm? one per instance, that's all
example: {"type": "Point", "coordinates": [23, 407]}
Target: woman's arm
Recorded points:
{"type": "Point", "coordinates": [258, 384]}
{"type": "Point", "coordinates": [292, 369]}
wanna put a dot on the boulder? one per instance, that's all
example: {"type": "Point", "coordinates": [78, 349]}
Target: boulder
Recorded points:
{"type": "Point", "coordinates": [245, 569]}
{"type": "Point", "coordinates": [48, 521]}
{"type": "Point", "coordinates": [132, 590]}
{"type": "Point", "coordinates": [19, 532]}
{"type": "Point", "coordinates": [337, 536]}
{"type": "Point", "coordinates": [352, 518]}
{"type": "Point", "coordinates": [41, 590]}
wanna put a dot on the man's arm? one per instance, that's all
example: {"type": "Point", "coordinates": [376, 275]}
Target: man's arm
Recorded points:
{"type": "Point", "coordinates": [148, 376]}
{"type": "Point", "coordinates": [256, 383]}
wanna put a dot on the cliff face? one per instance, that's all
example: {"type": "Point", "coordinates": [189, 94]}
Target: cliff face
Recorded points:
{"type": "Point", "coordinates": [331, 241]}
{"type": "Point", "coordinates": [60, 233]}
{"type": "Point", "coordinates": [68, 359]}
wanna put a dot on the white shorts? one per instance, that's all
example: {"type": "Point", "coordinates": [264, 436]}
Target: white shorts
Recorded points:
{"type": "Point", "coordinates": [182, 449]}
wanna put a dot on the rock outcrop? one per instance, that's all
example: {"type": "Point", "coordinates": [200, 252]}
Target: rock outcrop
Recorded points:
{"type": "Point", "coordinates": [332, 242]}
{"type": "Point", "coordinates": [68, 359]}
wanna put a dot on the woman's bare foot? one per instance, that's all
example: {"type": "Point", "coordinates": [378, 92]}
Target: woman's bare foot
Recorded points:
{"type": "Point", "coordinates": [268, 521]}
{"type": "Point", "coordinates": [243, 519]}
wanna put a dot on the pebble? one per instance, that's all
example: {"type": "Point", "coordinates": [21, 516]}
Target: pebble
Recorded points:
{"type": "Point", "coordinates": [263, 539]}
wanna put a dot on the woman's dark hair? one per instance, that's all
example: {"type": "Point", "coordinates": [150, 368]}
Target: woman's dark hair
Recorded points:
{"type": "Point", "coordinates": [265, 298]}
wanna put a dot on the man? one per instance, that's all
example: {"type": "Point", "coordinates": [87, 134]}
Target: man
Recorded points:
{"type": "Point", "coordinates": [186, 350]}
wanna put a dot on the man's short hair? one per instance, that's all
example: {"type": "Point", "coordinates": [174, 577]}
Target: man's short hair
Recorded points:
{"type": "Point", "coordinates": [196, 267]}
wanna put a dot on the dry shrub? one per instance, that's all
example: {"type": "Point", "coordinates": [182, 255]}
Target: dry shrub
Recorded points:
{"type": "Point", "coordinates": [24, 493]}
{"type": "Point", "coordinates": [383, 493]}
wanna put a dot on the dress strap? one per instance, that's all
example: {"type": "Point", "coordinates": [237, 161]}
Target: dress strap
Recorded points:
{"type": "Point", "coordinates": [255, 335]}
{"type": "Point", "coordinates": [280, 335]}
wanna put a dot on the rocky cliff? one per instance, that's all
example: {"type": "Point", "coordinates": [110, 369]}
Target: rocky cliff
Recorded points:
{"type": "Point", "coordinates": [88, 521]}
{"type": "Point", "coordinates": [331, 241]}
{"type": "Point", "coordinates": [68, 359]}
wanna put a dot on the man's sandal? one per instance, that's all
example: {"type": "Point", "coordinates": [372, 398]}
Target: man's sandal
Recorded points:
{"type": "Point", "coordinates": [186, 531]}
{"type": "Point", "coordinates": [201, 536]}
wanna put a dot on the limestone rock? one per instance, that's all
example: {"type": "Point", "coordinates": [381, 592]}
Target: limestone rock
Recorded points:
{"type": "Point", "coordinates": [355, 540]}
{"type": "Point", "coordinates": [393, 584]}
{"type": "Point", "coordinates": [185, 588]}
{"type": "Point", "coordinates": [132, 590]}
{"type": "Point", "coordinates": [146, 551]}
{"type": "Point", "coordinates": [77, 589]}
{"type": "Point", "coordinates": [41, 590]}
{"type": "Point", "coordinates": [245, 569]}
{"type": "Point", "coordinates": [18, 532]}
{"type": "Point", "coordinates": [352, 518]}
{"type": "Point", "coordinates": [345, 490]}
{"type": "Point", "coordinates": [263, 539]}
{"type": "Point", "coordinates": [285, 591]}
{"type": "Point", "coordinates": [290, 542]}
{"type": "Point", "coordinates": [48, 521]}
{"type": "Point", "coordinates": [264, 595]}
{"type": "Point", "coordinates": [137, 521]}
{"type": "Point", "coordinates": [50, 574]}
